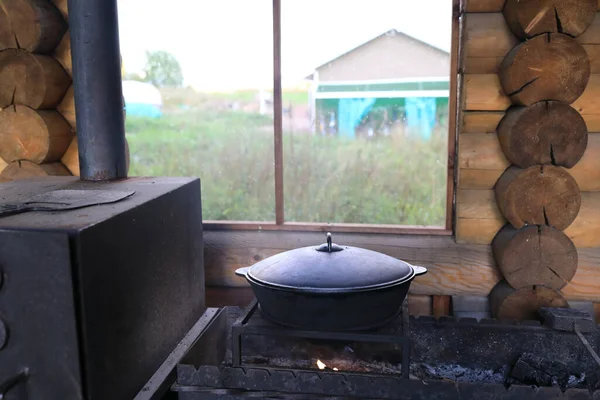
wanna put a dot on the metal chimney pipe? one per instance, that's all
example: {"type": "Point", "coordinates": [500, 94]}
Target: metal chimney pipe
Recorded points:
{"type": "Point", "coordinates": [94, 31]}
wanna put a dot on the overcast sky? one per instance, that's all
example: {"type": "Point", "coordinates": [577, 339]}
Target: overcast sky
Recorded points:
{"type": "Point", "coordinates": [227, 44]}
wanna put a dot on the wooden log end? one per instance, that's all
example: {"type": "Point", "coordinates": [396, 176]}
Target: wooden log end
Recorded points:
{"type": "Point", "coordinates": [67, 108]}
{"type": "Point", "coordinates": [552, 66]}
{"type": "Point", "coordinates": [547, 132]}
{"type": "Point", "coordinates": [507, 303]}
{"type": "Point", "coordinates": [535, 255]}
{"type": "Point", "coordinates": [3, 165]}
{"type": "Point", "coordinates": [24, 169]}
{"type": "Point", "coordinates": [38, 136]}
{"type": "Point", "coordinates": [63, 54]}
{"type": "Point", "coordinates": [71, 157]}
{"type": "Point", "coordinates": [62, 7]}
{"type": "Point", "coordinates": [538, 195]}
{"type": "Point", "coordinates": [34, 25]}
{"type": "Point", "coordinates": [527, 19]}
{"type": "Point", "coordinates": [33, 80]}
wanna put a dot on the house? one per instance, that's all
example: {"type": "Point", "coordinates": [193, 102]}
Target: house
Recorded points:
{"type": "Point", "coordinates": [389, 79]}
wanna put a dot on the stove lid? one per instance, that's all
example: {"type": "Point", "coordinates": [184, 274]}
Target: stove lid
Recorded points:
{"type": "Point", "coordinates": [330, 267]}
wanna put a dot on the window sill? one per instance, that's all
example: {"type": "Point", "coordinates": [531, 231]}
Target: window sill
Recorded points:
{"type": "Point", "coordinates": [333, 228]}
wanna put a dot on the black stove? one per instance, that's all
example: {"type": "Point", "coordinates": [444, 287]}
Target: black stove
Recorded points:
{"type": "Point", "coordinates": [233, 355]}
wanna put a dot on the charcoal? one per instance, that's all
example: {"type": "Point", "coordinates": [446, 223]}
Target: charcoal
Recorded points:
{"type": "Point", "coordinates": [535, 370]}
{"type": "Point", "coordinates": [592, 379]}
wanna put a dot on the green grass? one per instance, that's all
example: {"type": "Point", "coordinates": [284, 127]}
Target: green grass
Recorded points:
{"type": "Point", "coordinates": [387, 181]}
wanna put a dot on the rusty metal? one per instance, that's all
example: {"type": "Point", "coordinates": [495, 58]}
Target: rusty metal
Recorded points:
{"type": "Point", "coordinates": [278, 113]}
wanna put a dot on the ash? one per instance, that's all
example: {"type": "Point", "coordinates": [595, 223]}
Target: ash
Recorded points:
{"type": "Point", "coordinates": [456, 373]}
{"type": "Point", "coordinates": [339, 363]}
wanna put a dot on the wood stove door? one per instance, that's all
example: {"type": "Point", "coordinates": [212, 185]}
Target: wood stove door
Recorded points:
{"type": "Point", "coordinates": [39, 356]}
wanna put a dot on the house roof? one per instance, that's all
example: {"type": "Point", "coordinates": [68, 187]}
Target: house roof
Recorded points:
{"type": "Point", "coordinates": [391, 32]}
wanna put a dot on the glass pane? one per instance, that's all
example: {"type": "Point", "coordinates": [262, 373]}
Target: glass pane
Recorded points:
{"type": "Point", "coordinates": [366, 110]}
{"type": "Point", "coordinates": [198, 83]}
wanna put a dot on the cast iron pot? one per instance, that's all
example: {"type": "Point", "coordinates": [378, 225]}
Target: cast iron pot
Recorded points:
{"type": "Point", "coordinates": [330, 287]}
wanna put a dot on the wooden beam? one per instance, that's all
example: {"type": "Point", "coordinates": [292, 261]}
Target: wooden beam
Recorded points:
{"type": "Point", "coordinates": [488, 35]}
{"type": "Point", "coordinates": [226, 296]}
{"type": "Point", "coordinates": [487, 121]}
{"type": "Point", "coordinates": [490, 65]}
{"type": "Point", "coordinates": [419, 304]}
{"type": "Point", "coordinates": [441, 306]}
{"type": "Point", "coordinates": [488, 6]}
{"type": "Point", "coordinates": [481, 162]}
{"type": "Point", "coordinates": [484, 93]}
{"type": "Point", "coordinates": [484, 6]}
{"type": "Point", "coordinates": [454, 268]}
{"type": "Point", "coordinates": [479, 219]}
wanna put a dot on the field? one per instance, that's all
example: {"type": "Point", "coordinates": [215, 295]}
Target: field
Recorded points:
{"type": "Point", "coordinates": [391, 180]}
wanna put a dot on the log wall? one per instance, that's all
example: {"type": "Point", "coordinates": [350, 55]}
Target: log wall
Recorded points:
{"type": "Point", "coordinates": [481, 160]}
{"type": "Point", "coordinates": [37, 106]}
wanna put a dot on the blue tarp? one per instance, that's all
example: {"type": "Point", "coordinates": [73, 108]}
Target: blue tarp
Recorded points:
{"type": "Point", "coordinates": [421, 114]}
{"type": "Point", "coordinates": [143, 110]}
{"type": "Point", "coordinates": [350, 113]}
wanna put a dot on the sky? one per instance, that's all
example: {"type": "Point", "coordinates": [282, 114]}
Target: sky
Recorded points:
{"type": "Point", "coordinates": [227, 44]}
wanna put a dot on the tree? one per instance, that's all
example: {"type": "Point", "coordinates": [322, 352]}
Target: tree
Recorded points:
{"type": "Point", "coordinates": [163, 69]}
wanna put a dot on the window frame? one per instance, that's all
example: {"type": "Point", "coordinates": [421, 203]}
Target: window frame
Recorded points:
{"type": "Point", "coordinates": [281, 225]}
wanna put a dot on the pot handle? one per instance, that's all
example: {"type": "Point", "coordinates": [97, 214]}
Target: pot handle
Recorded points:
{"type": "Point", "coordinates": [242, 271]}
{"type": "Point", "coordinates": [419, 270]}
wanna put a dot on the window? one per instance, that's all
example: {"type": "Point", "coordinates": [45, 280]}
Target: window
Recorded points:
{"type": "Point", "coordinates": [295, 114]}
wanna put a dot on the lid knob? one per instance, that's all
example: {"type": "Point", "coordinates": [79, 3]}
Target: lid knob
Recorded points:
{"type": "Point", "coordinates": [329, 247]}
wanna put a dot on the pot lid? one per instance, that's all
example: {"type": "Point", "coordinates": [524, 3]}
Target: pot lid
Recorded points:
{"type": "Point", "coordinates": [330, 267]}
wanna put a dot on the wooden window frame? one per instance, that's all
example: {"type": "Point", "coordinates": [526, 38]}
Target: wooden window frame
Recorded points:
{"type": "Point", "coordinates": [281, 225]}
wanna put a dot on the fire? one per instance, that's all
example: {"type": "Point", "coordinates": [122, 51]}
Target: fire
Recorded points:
{"type": "Point", "coordinates": [321, 365]}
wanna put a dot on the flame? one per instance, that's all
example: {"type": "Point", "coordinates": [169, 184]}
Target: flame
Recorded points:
{"type": "Point", "coordinates": [321, 365]}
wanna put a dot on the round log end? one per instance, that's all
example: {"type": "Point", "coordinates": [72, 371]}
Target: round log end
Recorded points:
{"type": "Point", "coordinates": [552, 66]}
{"type": "Point", "coordinates": [35, 25]}
{"type": "Point", "coordinates": [547, 132]}
{"type": "Point", "coordinates": [538, 195]}
{"type": "Point", "coordinates": [527, 19]}
{"type": "Point", "coordinates": [67, 108]}
{"type": "Point", "coordinates": [507, 303]}
{"type": "Point", "coordinates": [33, 80]}
{"type": "Point", "coordinates": [71, 157]}
{"type": "Point", "coordinates": [37, 136]}
{"type": "Point", "coordinates": [63, 54]}
{"type": "Point", "coordinates": [535, 255]}
{"type": "Point", "coordinates": [26, 169]}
